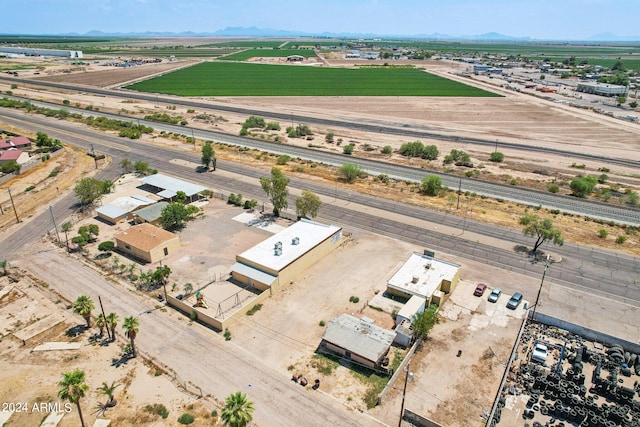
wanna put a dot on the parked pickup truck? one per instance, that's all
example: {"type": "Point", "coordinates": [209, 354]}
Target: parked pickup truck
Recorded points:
{"type": "Point", "coordinates": [539, 353]}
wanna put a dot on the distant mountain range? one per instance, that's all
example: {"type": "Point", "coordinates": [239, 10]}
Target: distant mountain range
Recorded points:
{"type": "Point", "coordinates": [265, 32]}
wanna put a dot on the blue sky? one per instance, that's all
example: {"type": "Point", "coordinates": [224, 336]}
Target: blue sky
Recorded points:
{"type": "Point", "coordinates": [540, 19]}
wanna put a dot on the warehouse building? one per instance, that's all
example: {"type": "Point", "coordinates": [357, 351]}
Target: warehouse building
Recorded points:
{"type": "Point", "coordinates": [280, 258]}
{"type": "Point", "coordinates": [41, 52]}
{"type": "Point", "coordinates": [602, 89]}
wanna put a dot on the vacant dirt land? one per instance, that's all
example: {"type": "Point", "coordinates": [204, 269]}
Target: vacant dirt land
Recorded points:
{"type": "Point", "coordinates": [40, 317]}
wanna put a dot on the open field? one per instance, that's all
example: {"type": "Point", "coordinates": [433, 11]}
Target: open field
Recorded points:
{"type": "Point", "coordinates": [268, 53]}
{"type": "Point", "coordinates": [218, 79]}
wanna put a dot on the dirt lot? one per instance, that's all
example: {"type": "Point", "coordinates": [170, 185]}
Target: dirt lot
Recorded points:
{"type": "Point", "coordinates": [24, 305]}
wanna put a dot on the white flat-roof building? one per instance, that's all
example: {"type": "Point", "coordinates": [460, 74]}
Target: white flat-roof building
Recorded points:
{"type": "Point", "coordinates": [168, 186]}
{"type": "Point", "coordinates": [41, 52]}
{"type": "Point", "coordinates": [118, 209]}
{"type": "Point", "coordinates": [426, 277]}
{"type": "Point", "coordinates": [278, 259]}
{"type": "Point", "coordinates": [416, 304]}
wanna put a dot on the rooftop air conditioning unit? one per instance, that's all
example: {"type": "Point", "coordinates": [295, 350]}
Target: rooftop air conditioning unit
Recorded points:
{"type": "Point", "coordinates": [278, 252]}
{"type": "Point", "coordinates": [295, 241]}
{"type": "Point", "coordinates": [415, 279]}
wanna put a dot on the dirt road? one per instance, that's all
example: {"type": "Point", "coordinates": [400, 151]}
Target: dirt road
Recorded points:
{"type": "Point", "coordinates": [195, 353]}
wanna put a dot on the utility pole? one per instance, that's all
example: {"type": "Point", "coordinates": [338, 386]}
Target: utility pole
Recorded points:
{"type": "Point", "coordinates": [404, 392]}
{"type": "Point", "coordinates": [14, 206]}
{"type": "Point", "coordinates": [535, 306]}
{"type": "Point", "coordinates": [105, 319]}
{"type": "Point", "coordinates": [459, 191]}
{"type": "Point", "coordinates": [53, 219]}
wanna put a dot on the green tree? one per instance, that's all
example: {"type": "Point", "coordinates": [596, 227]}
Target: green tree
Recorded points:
{"type": "Point", "coordinates": [10, 167]}
{"type": "Point", "coordinates": [422, 323]}
{"type": "Point", "coordinates": [276, 189]}
{"type": "Point", "coordinates": [73, 388]}
{"type": "Point", "coordinates": [621, 99]}
{"type": "Point", "coordinates": [107, 186]}
{"type": "Point", "coordinates": [431, 185]}
{"type": "Point", "coordinates": [100, 322]}
{"type": "Point", "coordinates": [181, 197]}
{"type": "Point", "coordinates": [583, 186]}
{"type": "Point", "coordinates": [348, 149]}
{"type": "Point", "coordinates": [349, 172]}
{"type": "Point", "coordinates": [308, 204]}
{"type": "Point", "coordinates": [633, 104]}
{"type": "Point", "coordinates": [83, 306]}
{"type": "Point", "coordinates": [66, 228]}
{"type": "Point", "coordinates": [541, 229]}
{"type": "Point", "coordinates": [3, 266]}
{"type": "Point", "coordinates": [111, 322]}
{"type": "Point", "coordinates": [131, 328]}
{"type": "Point", "coordinates": [237, 410]}
{"type": "Point", "coordinates": [387, 150]}
{"type": "Point", "coordinates": [141, 168]}
{"type": "Point", "coordinates": [174, 216]}
{"type": "Point", "coordinates": [208, 155]}
{"type": "Point", "coordinates": [88, 190]}
{"type": "Point", "coordinates": [93, 230]}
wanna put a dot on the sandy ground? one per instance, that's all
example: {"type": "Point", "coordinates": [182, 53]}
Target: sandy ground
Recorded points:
{"type": "Point", "coordinates": [140, 384]}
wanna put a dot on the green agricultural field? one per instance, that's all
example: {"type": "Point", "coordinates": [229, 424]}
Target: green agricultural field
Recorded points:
{"type": "Point", "coordinates": [252, 44]}
{"type": "Point", "coordinates": [629, 64]}
{"type": "Point", "coordinates": [271, 53]}
{"type": "Point", "coordinates": [242, 79]}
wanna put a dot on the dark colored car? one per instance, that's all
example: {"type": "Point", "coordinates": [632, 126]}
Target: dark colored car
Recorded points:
{"type": "Point", "coordinates": [515, 301]}
{"type": "Point", "coordinates": [494, 295]}
{"type": "Point", "coordinates": [480, 290]}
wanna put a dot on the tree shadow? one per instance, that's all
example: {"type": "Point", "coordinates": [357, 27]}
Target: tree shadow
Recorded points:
{"type": "Point", "coordinates": [76, 331]}
{"type": "Point", "coordinates": [121, 361]}
{"type": "Point", "coordinates": [534, 257]}
{"type": "Point", "coordinates": [101, 408]}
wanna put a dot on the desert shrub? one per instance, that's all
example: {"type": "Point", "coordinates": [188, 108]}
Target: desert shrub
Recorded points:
{"type": "Point", "coordinates": [354, 299]}
{"type": "Point", "coordinates": [322, 323]}
{"type": "Point", "coordinates": [186, 419]}
{"type": "Point", "coordinates": [283, 159]}
{"type": "Point", "coordinates": [602, 233]}
{"type": "Point", "coordinates": [254, 309]}
{"type": "Point", "coordinates": [621, 239]}
{"type": "Point", "coordinates": [387, 150]}
{"type": "Point", "coordinates": [553, 188]}
{"type": "Point", "coordinates": [496, 156]}
{"type": "Point", "coordinates": [348, 149]}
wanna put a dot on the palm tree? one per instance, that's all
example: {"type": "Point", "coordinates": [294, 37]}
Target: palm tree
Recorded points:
{"type": "Point", "coordinates": [101, 322]}
{"type": "Point", "coordinates": [83, 307]}
{"type": "Point", "coordinates": [112, 321]}
{"type": "Point", "coordinates": [237, 410]}
{"type": "Point", "coordinates": [107, 390]}
{"type": "Point", "coordinates": [66, 227]}
{"type": "Point", "coordinates": [72, 388]}
{"type": "Point", "coordinates": [130, 327]}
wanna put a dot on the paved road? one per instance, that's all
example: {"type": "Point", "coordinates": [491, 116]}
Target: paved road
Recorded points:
{"type": "Point", "coordinates": [600, 271]}
{"type": "Point", "coordinates": [195, 353]}
{"type": "Point", "coordinates": [526, 196]}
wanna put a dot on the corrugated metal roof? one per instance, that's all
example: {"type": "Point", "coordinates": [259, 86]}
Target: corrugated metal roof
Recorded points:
{"type": "Point", "coordinates": [359, 337]}
{"type": "Point", "coordinates": [111, 211]}
{"type": "Point", "coordinates": [151, 213]}
{"type": "Point", "coordinates": [254, 273]}
{"type": "Point", "coordinates": [172, 184]}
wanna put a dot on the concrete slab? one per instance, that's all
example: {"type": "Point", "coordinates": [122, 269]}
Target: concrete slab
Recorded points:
{"type": "Point", "coordinates": [53, 419]}
{"type": "Point", "coordinates": [39, 327]}
{"type": "Point", "coordinates": [102, 423]}
{"type": "Point", "coordinates": [4, 417]}
{"type": "Point", "coordinates": [58, 345]}
{"type": "Point", "coordinates": [5, 291]}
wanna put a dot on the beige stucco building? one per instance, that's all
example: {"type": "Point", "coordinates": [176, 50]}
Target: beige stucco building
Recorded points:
{"type": "Point", "coordinates": [147, 242]}
{"type": "Point", "coordinates": [280, 258]}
